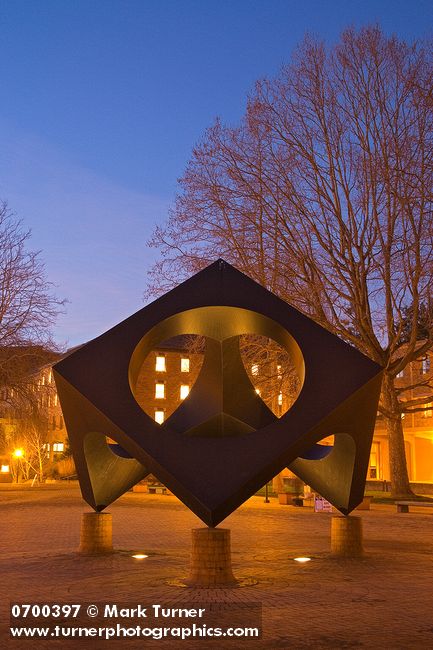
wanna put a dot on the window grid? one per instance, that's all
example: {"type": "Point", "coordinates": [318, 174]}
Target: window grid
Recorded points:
{"type": "Point", "coordinates": [428, 413]}
{"type": "Point", "coordinates": [159, 390]}
{"type": "Point", "coordinates": [184, 391]}
{"type": "Point", "coordinates": [184, 364]}
{"type": "Point", "coordinates": [160, 365]}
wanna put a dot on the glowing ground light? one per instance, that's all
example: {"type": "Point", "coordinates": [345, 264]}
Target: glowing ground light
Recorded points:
{"type": "Point", "coordinates": [302, 560]}
{"type": "Point", "coordinates": [140, 556]}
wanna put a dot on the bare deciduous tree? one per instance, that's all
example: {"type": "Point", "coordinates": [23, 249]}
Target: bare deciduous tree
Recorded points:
{"type": "Point", "coordinates": [323, 194]}
{"type": "Point", "coordinates": [30, 436]}
{"type": "Point", "coordinates": [27, 305]}
{"type": "Point", "coordinates": [28, 310]}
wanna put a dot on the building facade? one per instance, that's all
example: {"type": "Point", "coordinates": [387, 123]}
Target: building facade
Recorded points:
{"type": "Point", "coordinates": [168, 375]}
{"type": "Point", "coordinates": [417, 426]}
{"type": "Point", "coordinates": [161, 381]}
{"type": "Point", "coordinates": [33, 434]}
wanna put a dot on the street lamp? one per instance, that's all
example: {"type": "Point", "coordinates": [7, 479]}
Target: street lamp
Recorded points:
{"type": "Point", "coordinates": [17, 456]}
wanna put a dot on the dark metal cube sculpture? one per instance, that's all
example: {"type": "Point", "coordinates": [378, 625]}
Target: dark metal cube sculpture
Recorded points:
{"type": "Point", "coordinates": [222, 443]}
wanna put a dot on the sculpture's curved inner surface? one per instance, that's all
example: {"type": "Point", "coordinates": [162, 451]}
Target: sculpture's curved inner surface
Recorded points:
{"type": "Point", "coordinates": [111, 469]}
{"type": "Point", "coordinates": [320, 450]}
{"type": "Point", "coordinates": [330, 475]}
{"type": "Point", "coordinates": [224, 400]}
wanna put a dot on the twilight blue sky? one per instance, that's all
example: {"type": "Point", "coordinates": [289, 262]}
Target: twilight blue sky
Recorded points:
{"type": "Point", "coordinates": [102, 102]}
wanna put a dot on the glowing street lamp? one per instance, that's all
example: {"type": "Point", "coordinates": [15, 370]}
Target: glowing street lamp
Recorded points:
{"type": "Point", "coordinates": [17, 461]}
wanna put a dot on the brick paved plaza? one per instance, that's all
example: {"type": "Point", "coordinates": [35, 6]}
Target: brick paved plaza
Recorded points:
{"type": "Point", "coordinates": [382, 601]}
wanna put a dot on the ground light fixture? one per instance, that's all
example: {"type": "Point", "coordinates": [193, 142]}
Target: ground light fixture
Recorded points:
{"type": "Point", "coordinates": [302, 560]}
{"type": "Point", "coordinates": [139, 556]}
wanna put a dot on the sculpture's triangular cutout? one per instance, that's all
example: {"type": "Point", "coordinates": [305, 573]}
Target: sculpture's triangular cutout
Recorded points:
{"type": "Point", "coordinates": [340, 475]}
{"type": "Point", "coordinates": [110, 475]}
{"type": "Point", "coordinates": [103, 475]}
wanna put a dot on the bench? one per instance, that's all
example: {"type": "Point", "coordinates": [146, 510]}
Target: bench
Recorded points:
{"type": "Point", "coordinates": [156, 489]}
{"type": "Point", "coordinates": [403, 506]}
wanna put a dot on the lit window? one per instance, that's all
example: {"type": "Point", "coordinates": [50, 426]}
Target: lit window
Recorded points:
{"type": "Point", "coordinates": [426, 365]}
{"type": "Point", "coordinates": [56, 400]}
{"type": "Point", "coordinates": [279, 371]}
{"type": "Point", "coordinates": [160, 363]}
{"type": "Point", "coordinates": [50, 377]}
{"type": "Point", "coordinates": [58, 446]}
{"type": "Point", "coordinates": [4, 469]}
{"type": "Point", "coordinates": [280, 399]}
{"type": "Point", "coordinates": [428, 412]}
{"type": "Point", "coordinates": [255, 369]}
{"type": "Point", "coordinates": [184, 391]}
{"type": "Point", "coordinates": [184, 364]}
{"type": "Point", "coordinates": [159, 390]}
{"type": "Point", "coordinates": [159, 416]}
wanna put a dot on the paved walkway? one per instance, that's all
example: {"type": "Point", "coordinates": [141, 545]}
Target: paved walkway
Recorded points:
{"type": "Point", "coordinates": [383, 601]}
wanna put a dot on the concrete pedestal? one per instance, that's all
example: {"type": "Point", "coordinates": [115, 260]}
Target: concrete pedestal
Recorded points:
{"type": "Point", "coordinates": [346, 536]}
{"type": "Point", "coordinates": [211, 564]}
{"type": "Point", "coordinates": [96, 533]}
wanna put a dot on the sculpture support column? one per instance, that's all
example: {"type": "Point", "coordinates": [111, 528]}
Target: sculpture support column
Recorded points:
{"type": "Point", "coordinates": [96, 536]}
{"type": "Point", "coordinates": [346, 536]}
{"type": "Point", "coordinates": [211, 558]}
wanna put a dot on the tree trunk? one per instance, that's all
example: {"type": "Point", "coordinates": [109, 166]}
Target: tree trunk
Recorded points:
{"type": "Point", "coordinates": [277, 483]}
{"type": "Point", "coordinates": [40, 465]}
{"type": "Point", "coordinates": [400, 487]}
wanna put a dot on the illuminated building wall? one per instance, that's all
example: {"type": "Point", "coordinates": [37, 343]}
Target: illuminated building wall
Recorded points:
{"type": "Point", "coordinates": [169, 372]}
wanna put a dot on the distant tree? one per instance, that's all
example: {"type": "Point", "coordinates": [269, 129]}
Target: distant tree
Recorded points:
{"type": "Point", "coordinates": [28, 310]}
{"type": "Point", "coordinates": [271, 371]}
{"type": "Point", "coordinates": [424, 324]}
{"type": "Point", "coordinates": [323, 194]}
{"type": "Point", "coordinates": [29, 434]}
